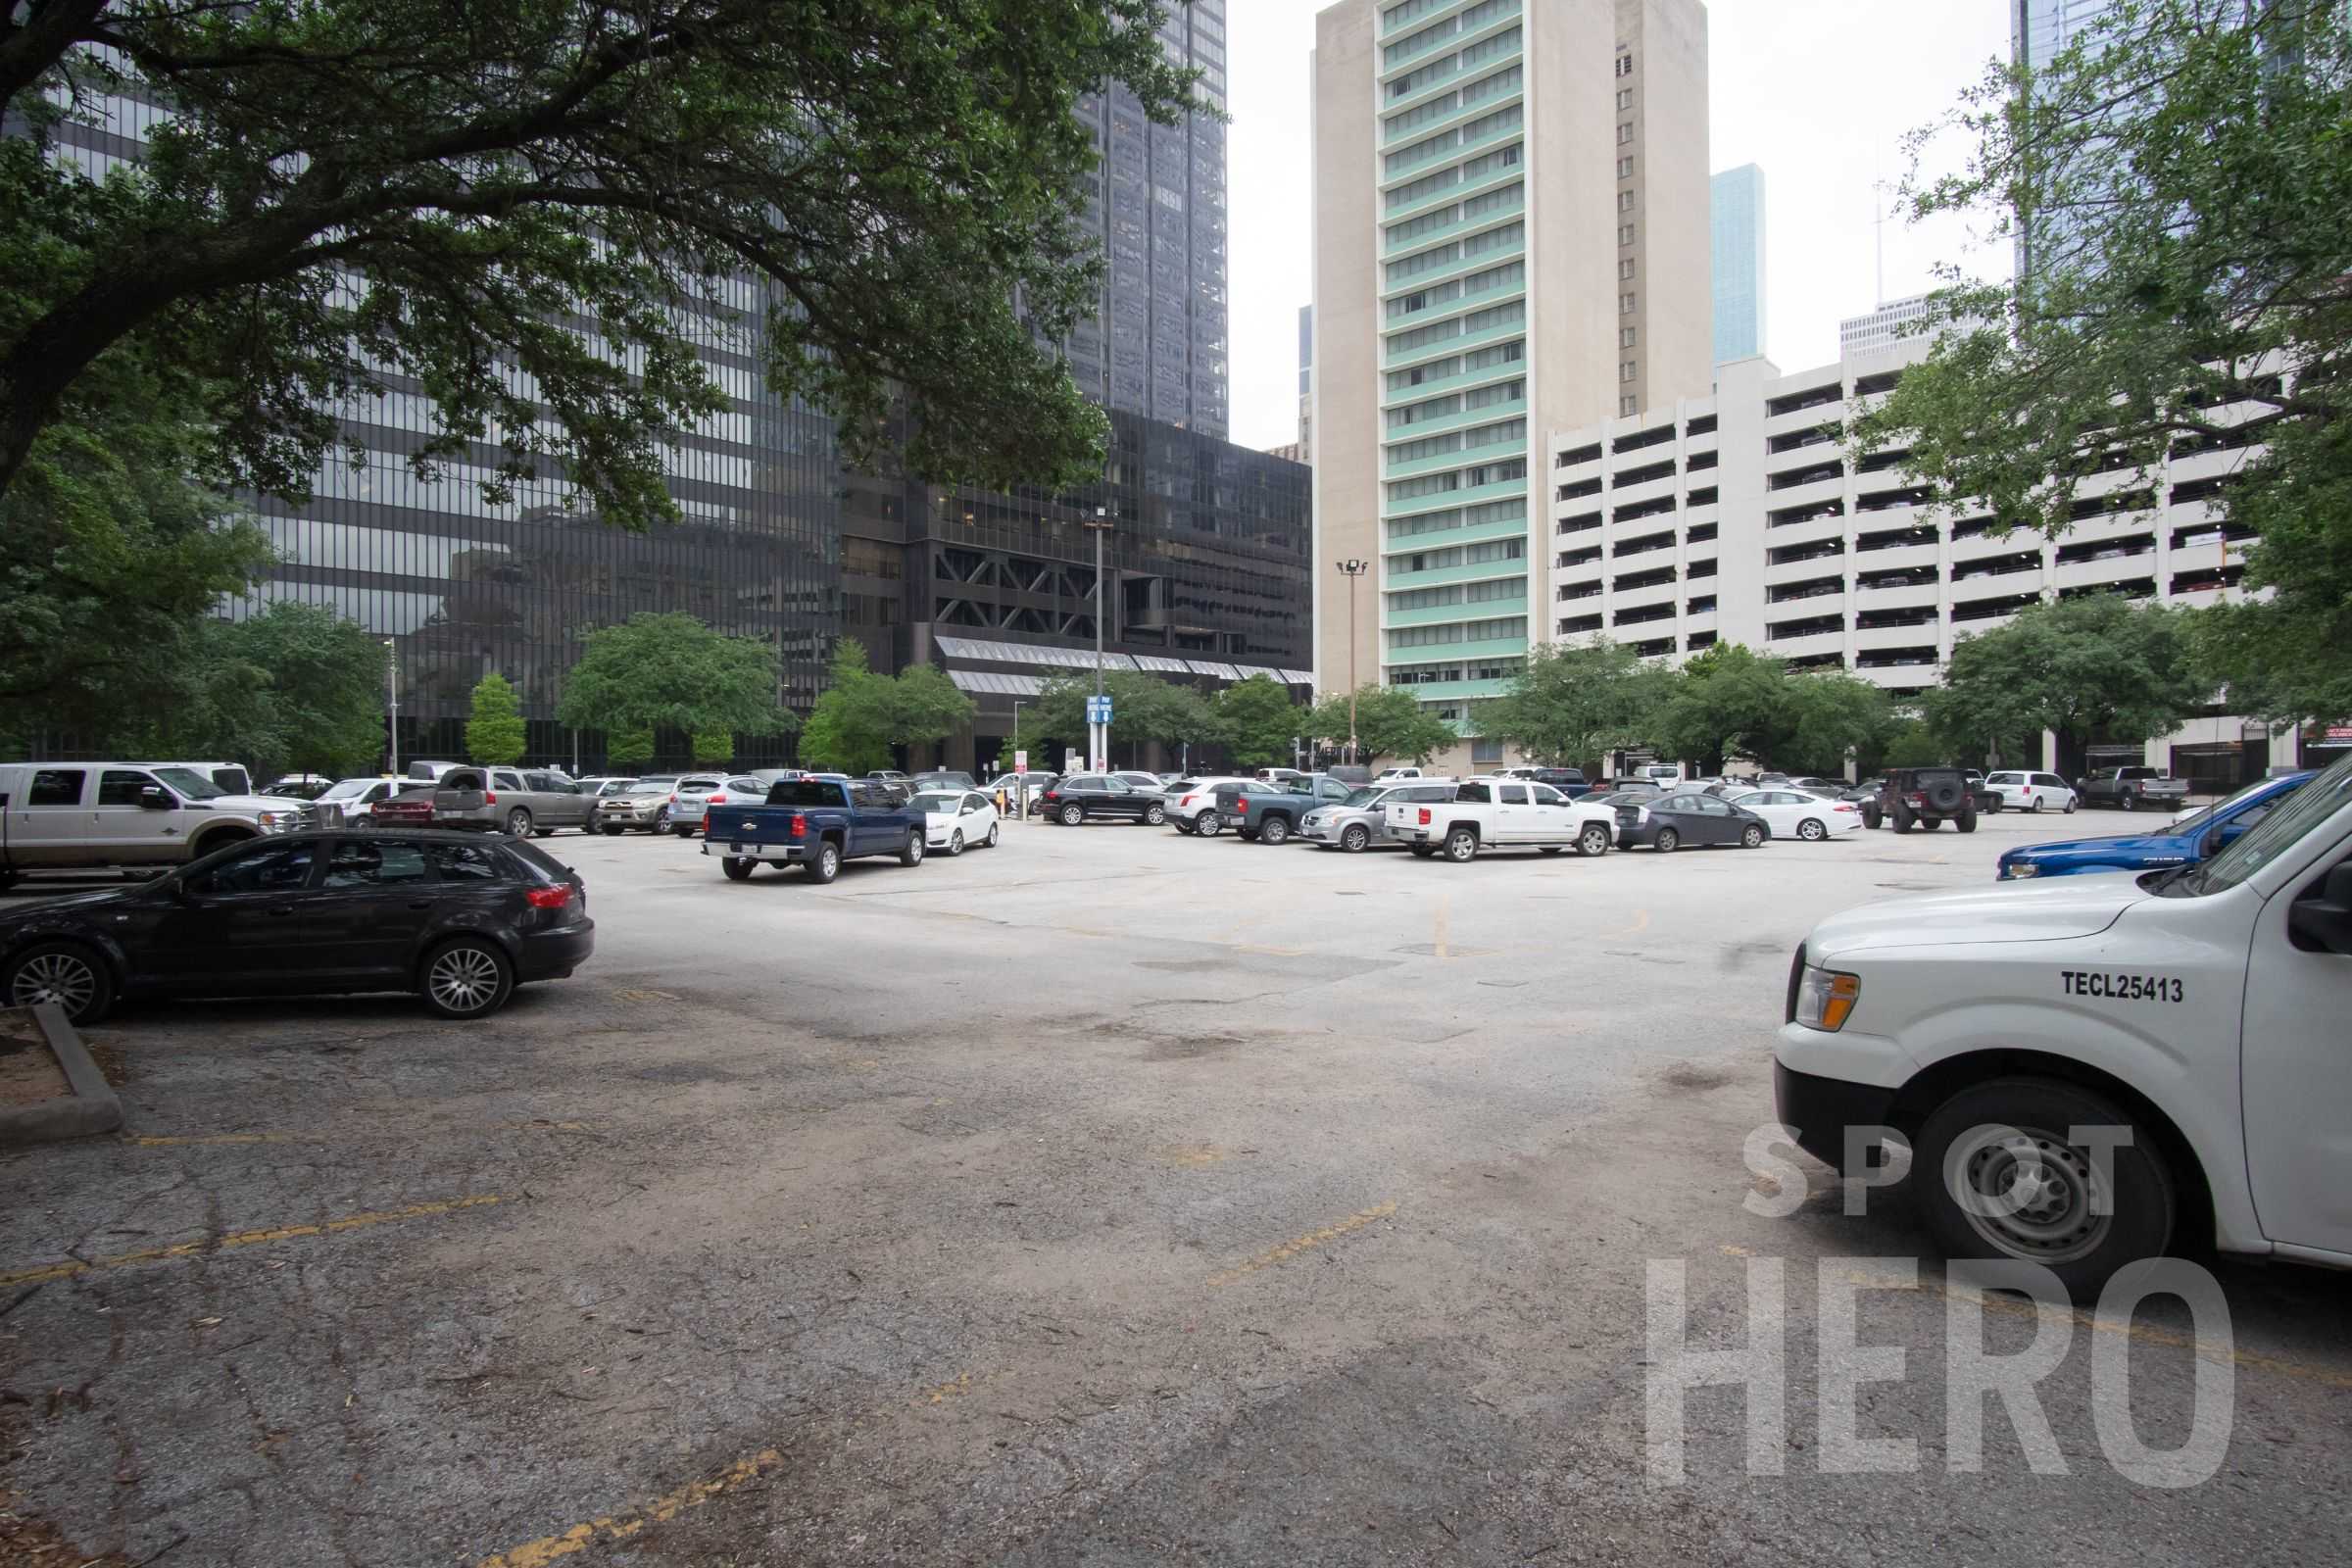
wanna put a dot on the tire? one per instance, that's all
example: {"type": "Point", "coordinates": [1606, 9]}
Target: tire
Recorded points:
{"type": "Point", "coordinates": [1811, 830]}
{"type": "Point", "coordinates": [1752, 837]}
{"type": "Point", "coordinates": [1461, 845]}
{"type": "Point", "coordinates": [911, 853]}
{"type": "Point", "coordinates": [67, 973]}
{"type": "Point", "coordinates": [1072, 816]}
{"type": "Point", "coordinates": [518, 823]}
{"type": "Point", "coordinates": [737, 866]}
{"type": "Point", "coordinates": [661, 819]}
{"type": "Point", "coordinates": [1184, 827]}
{"type": "Point", "coordinates": [2130, 802]}
{"type": "Point", "coordinates": [2070, 802]}
{"type": "Point", "coordinates": [2035, 805]}
{"type": "Point", "coordinates": [2059, 1232]}
{"type": "Point", "coordinates": [1422, 852]}
{"type": "Point", "coordinates": [1667, 841]}
{"type": "Point", "coordinates": [1357, 840]}
{"type": "Point", "coordinates": [1245, 835]}
{"type": "Point", "coordinates": [1874, 817]}
{"type": "Point", "coordinates": [1932, 823]}
{"type": "Point", "coordinates": [613, 829]}
{"type": "Point", "coordinates": [1902, 820]}
{"type": "Point", "coordinates": [1594, 841]}
{"type": "Point", "coordinates": [467, 977]}
{"type": "Point", "coordinates": [996, 830]}
{"type": "Point", "coordinates": [1208, 824]}
{"type": "Point", "coordinates": [955, 844]}
{"type": "Point", "coordinates": [1968, 821]}
{"type": "Point", "coordinates": [683, 830]}
{"type": "Point", "coordinates": [1275, 830]}
{"type": "Point", "coordinates": [1154, 816]}
{"type": "Point", "coordinates": [827, 864]}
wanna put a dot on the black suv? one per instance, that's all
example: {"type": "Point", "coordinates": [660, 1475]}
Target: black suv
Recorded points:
{"type": "Point", "coordinates": [1071, 800]}
{"type": "Point", "coordinates": [1925, 797]}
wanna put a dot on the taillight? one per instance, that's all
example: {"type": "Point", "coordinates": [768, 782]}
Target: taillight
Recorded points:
{"type": "Point", "coordinates": [1052, 795]}
{"type": "Point", "coordinates": [1241, 802]}
{"type": "Point", "coordinates": [799, 826]}
{"type": "Point", "coordinates": [1917, 797]}
{"type": "Point", "coordinates": [554, 897]}
{"type": "Point", "coordinates": [1187, 800]}
{"type": "Point", "coordinates": [489, 796]}
{"type": "Point", "coordinates": [1424, 814]}
{"type": "Point", "coordinates": [673, 798]}
{"type": "Point", "coordinates": [714, 800]}
{"type": "Point", "coordinates": [1848, 810]}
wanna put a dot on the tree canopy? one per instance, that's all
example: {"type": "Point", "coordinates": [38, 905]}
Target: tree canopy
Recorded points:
{"type": "Point", "coordinates": [518, 203]}
{"type": "Point", "coordinates": [2097, 666]}
{"type": "Point", "coordinates": [1257, 720]}
{"type": "Point", "coordinates": [1142, 708]}
{"type": "Point", "coordinates": [2180, 176]}
{"type": "Point", "coordinates": [1389, 722]}
{"type": "Point", "coordinates": [671, 671]}
{"type": "Point", "coordinates": [1576, 701]}
{"type": "Point", "coordinates": [1729, 701]}
{"type": "Point", "coordinates": [860, 714]}
{"type": "Point", "coordinates": [494, 727]}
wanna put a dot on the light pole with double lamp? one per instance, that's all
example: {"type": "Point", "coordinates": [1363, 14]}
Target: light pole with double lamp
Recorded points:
{"type": "Point", "coordinates": [1353, 569]}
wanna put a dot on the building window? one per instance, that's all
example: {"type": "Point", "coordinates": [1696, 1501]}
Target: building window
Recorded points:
{"type": "Point", "coordinates": [1624, 167]}
{"type": "Point", "coordinates": [1625, 132]}
{"type": "Point", "coordinates": [1624, 233]}
{"type": "Point", "coordinates": [1626, 408]}
{"type": "Point", "coordinates": [1624, 201]}
{"type": "Point", "coordinates": [1624, 270]}
{"type": "Point", "coordinates": [1486, 751]}
{"type": "Point", "coordinates": [1625, 305]}
{"type": "Point", "coordinates": [1624, 98]}
{"type": "Point", "coordinates": [1625, 370]}
{"type": "Point", "coordinates": [1625, 337]}
{"type": "Point", "coordinates": [1625, 65]}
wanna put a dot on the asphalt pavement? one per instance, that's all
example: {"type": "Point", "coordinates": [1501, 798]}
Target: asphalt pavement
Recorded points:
{"type": "Point", "coordinates": [1108, 1197]}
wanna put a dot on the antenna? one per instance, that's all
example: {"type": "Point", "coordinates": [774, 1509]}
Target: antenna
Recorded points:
{"type": "Point", "coordinates": [1877, 208]}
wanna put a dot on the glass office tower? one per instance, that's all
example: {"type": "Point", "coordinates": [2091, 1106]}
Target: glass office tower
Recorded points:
{"type": "Point", "coordinates": [1735, 213]}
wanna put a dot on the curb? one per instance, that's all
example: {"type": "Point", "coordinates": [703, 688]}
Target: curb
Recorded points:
{"type": "Point", "coordinates": [92, 1107]}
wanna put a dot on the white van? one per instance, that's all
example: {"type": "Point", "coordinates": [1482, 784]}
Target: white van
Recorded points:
{"type": "Point", "coordinates": [2088, 1067]}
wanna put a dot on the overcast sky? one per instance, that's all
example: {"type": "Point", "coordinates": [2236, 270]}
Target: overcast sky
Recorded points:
{"type": "Point", "coordinates": [1819, 92]}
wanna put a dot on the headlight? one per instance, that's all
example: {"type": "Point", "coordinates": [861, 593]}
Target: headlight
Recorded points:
{"type": "Point", "coordinates": [2017, 869]}
{"type": "Point", "coordinates": [278, 821]}
{"type": "Point", "coordinates": [1826, 998]}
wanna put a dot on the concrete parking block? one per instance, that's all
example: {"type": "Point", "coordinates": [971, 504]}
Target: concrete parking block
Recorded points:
{"type": "Point", "coordinates": [89, 1104]}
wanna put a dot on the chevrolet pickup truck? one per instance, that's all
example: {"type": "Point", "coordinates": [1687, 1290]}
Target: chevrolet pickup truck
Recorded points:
{"type": "Point", "coordinates": [816, 824]}
{"type": "Point", "coordinates": [1501, 813]}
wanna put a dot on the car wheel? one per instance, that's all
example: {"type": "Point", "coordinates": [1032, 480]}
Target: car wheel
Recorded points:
{"type": "Point", "coordinates": [1154, 816]}
{"type": "Point", "coordinates": [1245, 835]}
{"type": "Point", "coordinates": [912, 853]}
{"type": "Point", "coordinates": [2035, 805]}
{"type": "Point", "coordinates": [610, 829]}
{"type": "Point", "coordinates": [1593, 842]}
{"type": "Point", "coordinates": [2071, 804]}
{"type": "Point", "coordinates": [1208, 824]}
{"type": "Point", "coordinates": [518, 823]}
{"type": "Point", "coordinates": [469, 977]}
{"type": "Point", "coordinates": [2002, 1181]}
{"type": "Point", "coordinates": [662, 819]}
{"type": "Point", "coordinates": [65, 974]}
{"type": "Point", "coordinates": [1902, 820]}
{"type": "Point", "coordinates": [1968, 821]}
{"type": "Point", "coordinates": [1667, 841]}
{"type": "Point", "coordinates": [1461, 845]}
{"type": "Point", "coordinates": [1422, 852]}
{"type": "Point", "coordinates": [955, 842]}
{"type": "Point", "coordinates": [683, 830]}
{"type": "Point", "coordinates": [827, 864]}
{"type": "Point", "coordinates": [738, 867]}
{"type": "Point", "coordinates": [1182, 826]}
{"type": "Point", "coordinates": [2130, 802]}
{"type": "Point", "coordinates": [1752, 837]}
{"type": "Point", "coordinates": [1275, 831]}
{"type": "Point", "coordinates": [1811, 831]}
{"type": "Point", "coordinates": [1357, 840]}
{"type": "Point", "coordinates": [995, 829]}
{"type": "Point", "coordinates": [1072, 816]}
{"type": "Point", "coordinates": [1872, 819]}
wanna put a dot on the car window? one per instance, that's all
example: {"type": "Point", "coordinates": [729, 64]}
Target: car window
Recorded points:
{"type": "Point", "coordinates": [1475, 793]}
{"type": "Point", "coordinates": [1117, 786]}
{"type": "Point", "coordinates": [935, 801]}
{"type": "Point", "coordinates": [464, 862]}
{"type": "Point", "coordinates": [370, 864]}
{"type": "Point", "coordinates": [868, 796]}
{"type": "Point", "coordinates": [1546, 795]}
{"type": "Point", "coordinates": [2049, 781]}
{"type": "Point", "coordinates": [121, 787]}
{"type": "Point", "coordinates": [2004, 778]}
{"type": "Point", "coordinates": [272, 869]}
{"type": "Point", "coordinates": [1711, 805]}
{"type": "Point", "coordinates": [507, 781]}
{"type": "Point", "coordinates": [461, 778]}
{"type": "Point", "coordinates": [537, 781]}
{"type": "Point", "coordinates": [805, 793]}
{"type": "Point", "coordinates": [56, 786]}
{"type": "Point", "coordinates": [1511, 794]}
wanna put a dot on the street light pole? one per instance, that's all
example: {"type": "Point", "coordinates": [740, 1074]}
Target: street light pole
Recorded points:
{"type": "Point", "coordinates": [1353, 569]}
{"type": "Point", "coordinates": [392, 674]}
{"type": "Point", "coordinates": [1098, 736]}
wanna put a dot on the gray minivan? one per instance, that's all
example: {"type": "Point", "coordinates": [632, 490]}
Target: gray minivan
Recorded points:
{"type": "Point", "coordinates": [509, 800]}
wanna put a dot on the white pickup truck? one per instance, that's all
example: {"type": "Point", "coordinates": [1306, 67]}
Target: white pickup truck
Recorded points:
{"type": "Point", "coordinates": [75, 816]}
{"type": "Point", "coordinates": [1501, 813]}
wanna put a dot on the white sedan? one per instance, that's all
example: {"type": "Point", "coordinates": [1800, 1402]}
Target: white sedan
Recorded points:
{"type": "Point", "coordinates": [1801, 814]}
{"type": "Point", "coordinates": [954, 820]}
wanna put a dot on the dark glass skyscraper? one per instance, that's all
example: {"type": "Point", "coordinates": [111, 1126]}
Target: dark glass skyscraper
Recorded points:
{"type": "Point", "coordinates": [1159, 346]}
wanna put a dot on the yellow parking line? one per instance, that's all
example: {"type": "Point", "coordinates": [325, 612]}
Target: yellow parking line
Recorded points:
{"type": "Point", "coordinates": [1437, 936]}
{"type": "Point", "coordinates": [236, 1239]}
{"type": "Point", "coordinates": [1301, 1243]}
{"type": "Point", "coordinates": [160, 1140]}
{"type": "Point", "coordinates": [629, 1521]}
{"type": "Point", "coordinates": [1641, 923]}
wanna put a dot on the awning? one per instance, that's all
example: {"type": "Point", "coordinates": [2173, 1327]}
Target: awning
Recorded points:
{"type": "Point", "coordinates": [1172, 666]}
{"type": "Point", "coordinates": [1248, 670]}
{"type": "Point", "coordinates": [1209, 667]}
{"type": "Point", "coordinates": [992, 683]}
{"type": "Point", "coordinates": [1300, 677]}
{"type": "Point", "coordinates": [1002, 652]}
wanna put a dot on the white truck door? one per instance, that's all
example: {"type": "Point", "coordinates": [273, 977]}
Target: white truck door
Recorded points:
{"type": "Point", "coordinates": [49, 817]}
{"type": "Point", "coordinates": [1514, 815]}
{"type": "Point", "coordinates": [2298, 1074]}
{"type": "Point", "coordinates": [124, 830]}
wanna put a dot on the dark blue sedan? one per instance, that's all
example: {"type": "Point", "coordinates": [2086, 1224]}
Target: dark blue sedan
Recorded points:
{"type": "Point", "coordinates": [2192, 837]}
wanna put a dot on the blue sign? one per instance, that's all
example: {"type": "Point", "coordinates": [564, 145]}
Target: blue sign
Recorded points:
{"type": "Point", "coordinates": [1097, 710]}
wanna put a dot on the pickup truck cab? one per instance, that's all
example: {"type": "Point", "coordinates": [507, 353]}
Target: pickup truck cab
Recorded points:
{"type": "Point", "coordinates": [2088, 1069]}
{"type": "Point", "coordinates": [1501, 813]}
{"type": "Point", "coordinates": [2133, 788]}
{"type": "Point", "coordinates": [78, 815]}
{"type": "Point", "coordinates": [816, 824]}
{"type": "Point", "coordinates": [2183, 843]}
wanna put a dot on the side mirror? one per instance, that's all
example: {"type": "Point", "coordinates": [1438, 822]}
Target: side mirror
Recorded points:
{"type": "Point", "coordinates": [2324, 920]}
{"type": "Point", "coordinates": [155, 798]}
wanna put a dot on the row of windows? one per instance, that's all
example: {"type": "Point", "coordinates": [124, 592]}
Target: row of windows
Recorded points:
{"type": "Point", "coordinates": [1431, 674]}
{"type": "Point", "coordinates": [1470, 478]}
{"type": "Point", "coordinates": [1484, 552]}
{"type": "Point", "coordinates": [1496, 629]}
{"type": "Point", "coordinates": [1505, 199]}
{"type": "Point", "coordinates": [1511, 509]}
{"type": "Point", "coordinates": [1488, 166]}
{"type": "Point", "coordinates": [1426, 185]}
{"type": "Point", "coordinates": [1477, 360]}
{"type": "Point", "coordinates": [1474, 593]}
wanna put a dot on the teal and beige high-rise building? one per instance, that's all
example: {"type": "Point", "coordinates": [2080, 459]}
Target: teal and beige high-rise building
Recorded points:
{"type": "Point", "coordinates": [1511, 237]}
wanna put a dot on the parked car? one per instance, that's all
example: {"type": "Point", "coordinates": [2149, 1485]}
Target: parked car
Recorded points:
{"type": "Point", "coordinates": [1569, 781]}
{"type": "Point", "coordinates": [507, 800]}
{"type": "Point", "coordinates": [1019, 787]}
{"type": "Point", "coordinates": [600, 785]}
{"type": "Point", "coordinates": [1071, 800]}
{"type": "Point", "coordinates": [72, 815]}
{"type": "Point", "coordinates": [231, 778]}
{"type": "Point", "coordinates": [1148, 783]}
{"type": "Point", "coordinates": [1262, 813]}
{"type": "Point", "coordinates": [888, 775]}
{"type": "Point", "coordinates": [300, 786]}
{"type": "Point", "coordinates": [1865, 797]}
{"type": "Point", "coordinates": [410, 804]}
{"type": "Point", "coordinates": [1493, 812]}
{"type": "Point", "coordinates": [1392, 775]}
{"type": "Point", "coordinates": [2201, 836]}
{"type": "Point", "coordinates": [689, 807]}
{"type": "Point", "coordinates": [816, 824]}
{"type": "Point", "coordinates": [942, 779]}
{"type": "Point", "coordinates": [458, 918]}
{"type": "Point", "coordinates": [1277, 775]}
{"type": "Point", "coordinates": [1795, 814]}
{"type": "Point", "coordinates": [1927, 796]}
{"type": "Point", "coordinates": [2133, 789]}
{"type": "Point", "coordinates": [349, 801]}
{"type": "Point", "coordinates": [1692, 818]}
{"type": "Point", "coordinates": [1360, 822]}
{"type": "Point", "coordinates": [643, 807]}
{"type": "Point", "coordinates": [1191, 805]}
{"type": "Point", "coordinates": [956, 821]}
{"type": "Point", "coordinates": [1322, 787]}
{"type": "Point", "coordinates": [2026, 790]}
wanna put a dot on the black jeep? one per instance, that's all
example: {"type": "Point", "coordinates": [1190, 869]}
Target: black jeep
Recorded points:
{"type": "Point", "coordinates": [1925, 797]}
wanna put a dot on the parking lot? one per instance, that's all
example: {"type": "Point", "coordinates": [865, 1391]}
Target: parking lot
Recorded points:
{"type": "Point", "coordinates": [1107, 1196]}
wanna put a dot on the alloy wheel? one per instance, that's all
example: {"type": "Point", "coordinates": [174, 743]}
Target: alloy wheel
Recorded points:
{"type": "Point", "coordinates": [63, 978]}
{"type": "Point", "coordinates": [464, 979]}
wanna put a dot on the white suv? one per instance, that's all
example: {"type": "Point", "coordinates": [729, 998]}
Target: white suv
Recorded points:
{"type": "Point", "coordinates": [1190, 799]}
{"type": "Point", "coordinates": [2020, 790]}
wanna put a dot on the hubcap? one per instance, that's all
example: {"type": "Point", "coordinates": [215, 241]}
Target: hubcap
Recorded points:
{"type": "Point", "coordinates": [57, 977]}
{"type": "Point", "coordinates": [1809, 831]}
{"type": "Point", "coordinates": [517, 821]}
{"type": "Point", "coordinates": [1594, 840]}
{"type": "Point", "coordinates": [2030, 1194]}
{"type": "Point", "coordinates": [956, 844]}
{"type": "Point", "coordinates": [464, 979]}
{"type": "Point", "coordinates": [1356, 838]}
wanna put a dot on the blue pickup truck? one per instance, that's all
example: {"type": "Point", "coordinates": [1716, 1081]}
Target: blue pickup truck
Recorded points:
{"type": "Point", "coordinates": [816, 824]}
{"type": "Point", "coordinates": [2190, 837]}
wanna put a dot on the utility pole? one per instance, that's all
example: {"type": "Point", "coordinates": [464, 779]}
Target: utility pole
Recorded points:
{"type": "Point", "coordinates": [392, 674]}
{"type": "Point", "coordinates": [1353, 569]}
{"type": "Point", "coordinates": [1098, 735]}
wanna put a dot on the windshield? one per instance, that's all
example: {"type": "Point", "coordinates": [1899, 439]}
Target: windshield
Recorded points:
{"type": "Point", "coordinates": [936, 802]}
{"type": "Point", "coordinates": [2275, 833]}
{"type": "Point", "coordinates": [2204, 819]}
{"type": "Point", "coordinates": [190, 783]}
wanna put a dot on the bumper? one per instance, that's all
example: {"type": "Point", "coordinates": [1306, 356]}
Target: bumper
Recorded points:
{"type": "Point", "coordinates": [553, 955]}
{"type": "Point", "coordinates": [1819, 1110]}
{"type": "Point", "coordinates": [794, 849]}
